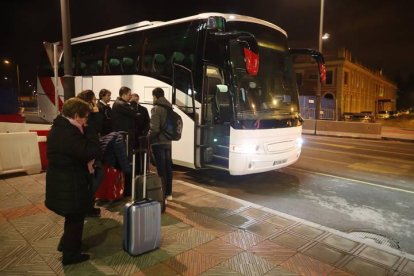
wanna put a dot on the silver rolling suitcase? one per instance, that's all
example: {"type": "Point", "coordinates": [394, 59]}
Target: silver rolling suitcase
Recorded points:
{"type": "Point", "coordinates": [142, 220]}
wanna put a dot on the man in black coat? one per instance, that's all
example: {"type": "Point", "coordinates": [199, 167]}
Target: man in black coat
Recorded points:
{"type": "Point", "coordinates": [123, 119]}
{"type": "Point", "coordinates": [71, 150]}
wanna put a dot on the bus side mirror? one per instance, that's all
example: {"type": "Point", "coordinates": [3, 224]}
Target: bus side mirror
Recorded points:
{"type": "Point", "coordinates": [249, 45]}
{"type": "Point", "coordinates": [317, 56]}
{"type": "Point", "coordinates": [251, 53]}
{"type": "Point", "coordinates": [222, 107]}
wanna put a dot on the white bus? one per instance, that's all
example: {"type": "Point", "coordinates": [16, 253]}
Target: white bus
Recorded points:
{"type": "Point", "coordinates": [230, 77]}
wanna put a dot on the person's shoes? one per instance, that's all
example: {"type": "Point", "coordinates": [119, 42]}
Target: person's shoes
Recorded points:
{"type": "Point", "coordinates": [94, 213]}
{"type": "Point", "coordinates": [75, 258]}
{"type": "Point", "coordinates": [169, 197]}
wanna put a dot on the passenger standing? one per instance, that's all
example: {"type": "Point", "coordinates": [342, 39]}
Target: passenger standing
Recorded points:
{"type": "Point", "coordinates": [123, 119]}
{"type": "Point", "coordinates": [160, 145]}
{"type": "Point", "coordinates": [142, 119]}
{"type": "Point", "coordinates": [105, 110]}
{"type": "Point", "coordinates": [95, 122]}
{"type": "Point", "coordinates": [71, 148]}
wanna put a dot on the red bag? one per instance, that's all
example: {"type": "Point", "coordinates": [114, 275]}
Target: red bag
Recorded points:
{"type": "Point", "coordinates": [112, 186]}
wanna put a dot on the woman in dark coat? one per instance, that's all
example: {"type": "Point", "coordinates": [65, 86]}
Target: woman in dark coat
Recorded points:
{"type": "Point", "coordinates": [71, 150]}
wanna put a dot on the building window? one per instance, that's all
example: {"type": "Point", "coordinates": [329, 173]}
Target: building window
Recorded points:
{"type": "Point", "coordinates": [313, 75]}
{"type": "Point", "coordinates": [329, 77]}
{"type": "Point", "coordinates": [299, 79]}
{"type": "Point", "coordinates": [346, 77]}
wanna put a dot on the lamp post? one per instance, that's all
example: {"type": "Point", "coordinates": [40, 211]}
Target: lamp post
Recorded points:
{"type": "Point", "coordinates": [318, 89]}
{"type": "Point", "coordinates": [6, 61]}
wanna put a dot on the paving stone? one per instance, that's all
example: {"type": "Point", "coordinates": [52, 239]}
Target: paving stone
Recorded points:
{"type": "Point", "coordinates": [324, 254]}
{"type": "Point", "coordinates": [272, 252]}
{"type": "Point", "coordinates": [290, 240]}
{"type": "Point", "coordinates": [279, 221]}
{"type": "Point", "coordinates": [409, 267]}
{"type": "Point", "coordinates": [261, 228]}
{"type": "Point", "coordinates": [191, 263]}
{"type": "Point", "coordinates": [307, 231]}
{"type": "Point", "coordinates": [249, 264]}
{"type": "Point", "coordinates": [361, 267]}
{"type": "Point", "coordinates": [305, 265]}
{"type": "Point", "coordinates": [379, 256]}
{"type": "Point", "coordinates": [340, 243]}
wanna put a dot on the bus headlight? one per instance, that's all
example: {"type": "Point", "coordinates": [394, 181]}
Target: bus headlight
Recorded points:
{"type": "Point", "coordinates": [299, 142]}
{"type": "Point", "coordinates": [244, 148]}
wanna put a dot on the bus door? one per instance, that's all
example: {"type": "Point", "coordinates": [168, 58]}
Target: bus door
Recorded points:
{"type": "Point", "coordinates": [183, 93]}
{"type": "Point", "coordinates": [215, 128]}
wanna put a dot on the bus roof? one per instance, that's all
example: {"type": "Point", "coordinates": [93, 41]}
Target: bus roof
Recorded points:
{"type": "Point", "coordinates": [153, 24]}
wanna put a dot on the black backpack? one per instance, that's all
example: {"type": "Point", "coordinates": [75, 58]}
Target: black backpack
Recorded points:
{"type": "Point", "coordinates": [173, 126]}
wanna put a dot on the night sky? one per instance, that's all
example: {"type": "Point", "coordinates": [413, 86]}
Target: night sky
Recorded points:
{"type": "Point", "coordinates": [379, 33]}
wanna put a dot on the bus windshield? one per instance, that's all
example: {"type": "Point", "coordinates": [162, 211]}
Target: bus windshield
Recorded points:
{"type": "Point", "coordinates": [272, 93]}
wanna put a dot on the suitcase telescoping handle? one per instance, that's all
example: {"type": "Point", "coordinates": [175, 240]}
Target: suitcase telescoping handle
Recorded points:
{"type": "Point", "coordinates": [144, 182]}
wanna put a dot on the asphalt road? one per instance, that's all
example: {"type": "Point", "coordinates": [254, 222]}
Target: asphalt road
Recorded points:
{"type": "Point", "coordinates": [342, 183]}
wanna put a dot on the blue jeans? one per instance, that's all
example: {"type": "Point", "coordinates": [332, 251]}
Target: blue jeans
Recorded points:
{"type": "Point", "coordinates": [163, 162]}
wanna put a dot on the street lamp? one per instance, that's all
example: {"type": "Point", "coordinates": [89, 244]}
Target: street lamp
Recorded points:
{"type": "Point", "coordinates": [325, 36]}
{"type": "Point", "coordinates": [318, 89]}
{"type": "Point", "coordinates": [7, 62]}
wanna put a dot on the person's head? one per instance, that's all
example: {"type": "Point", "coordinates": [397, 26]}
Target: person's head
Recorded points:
{"type": "Point", "coordinates": [88, 96]}
{"type": "Point", "coordinates": [77, 109]}
{"type": "Point", "coordinates": [157, 93]}
{"type": "Point", "coordinates": [105, 95]}
{"type": "Point", "coordinates": [125, 93]}
{"type": "Point", "coordinates": [135, 97]}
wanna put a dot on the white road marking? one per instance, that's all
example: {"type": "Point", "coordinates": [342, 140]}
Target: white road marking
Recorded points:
{"type": "Point", "coordinates": [352, 180]}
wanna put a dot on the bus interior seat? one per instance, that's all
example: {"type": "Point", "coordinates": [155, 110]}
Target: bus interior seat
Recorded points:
{"type": "Point", "coordinates": [176, 57]}
{"type": "Point", "coordinates": [188, 62]}
{"type": "Point", "coordinates": [212, 103]}
{"type": "Point", "coordinates": [115, 66]}
{"type": "Point", "coordinates": [147, 63]}
{"type": "Point", "coordinates": [128, 65]}
{"type": "Point", "coordinates": [82, 68]}
{"type": "Point", "coordinates": [223, 103]}
{"type": "Point", "coordinates": [158, 63]}
{"type": "Point", "coordinates": [95, 67]}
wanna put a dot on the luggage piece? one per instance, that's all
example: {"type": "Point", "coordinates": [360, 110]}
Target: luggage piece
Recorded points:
{"type": "Point", "coordinates": [142, 221]}
{"type": "Point", "coordinates": [112, 185]}
{"type": "Point", "coordinates": [154, 184]}
{"type": "Point", "coordinates": [154, 189]}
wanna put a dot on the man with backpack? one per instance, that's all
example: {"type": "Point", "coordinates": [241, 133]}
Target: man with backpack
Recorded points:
{"type": "Point", "coordinates": [160, 142]}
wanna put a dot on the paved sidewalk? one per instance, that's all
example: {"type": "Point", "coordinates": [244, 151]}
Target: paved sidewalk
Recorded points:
{"type": "Point", "coordinates": [203, 233]}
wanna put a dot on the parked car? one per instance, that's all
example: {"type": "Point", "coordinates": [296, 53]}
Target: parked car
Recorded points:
{"type": "Point", "coordinates": [364, 116]}
{"type": "Point", "coordinates": [384, 114]}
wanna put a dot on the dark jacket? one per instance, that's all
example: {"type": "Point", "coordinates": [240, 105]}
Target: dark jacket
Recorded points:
{"type": "Point", "coordinates": [142, 120]}
{"type": "Point", "coordinates": [157, 121]}
{"type": "Point", "coordinates": [114, 151]}
{"type": "Point", "coordinates": [123, 119]}
{"type": "Point", "coordinates": [67, 179]}
{"type": "Point", "coordinates": [95, 122]}
{"type": "Point", "coordinates": [123, 116]}
{"type": "Point", "coordinates": [106, 111]}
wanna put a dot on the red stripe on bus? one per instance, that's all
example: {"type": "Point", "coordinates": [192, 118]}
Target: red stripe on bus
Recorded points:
{"type": "Point", "coordinates": [49, 88]}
